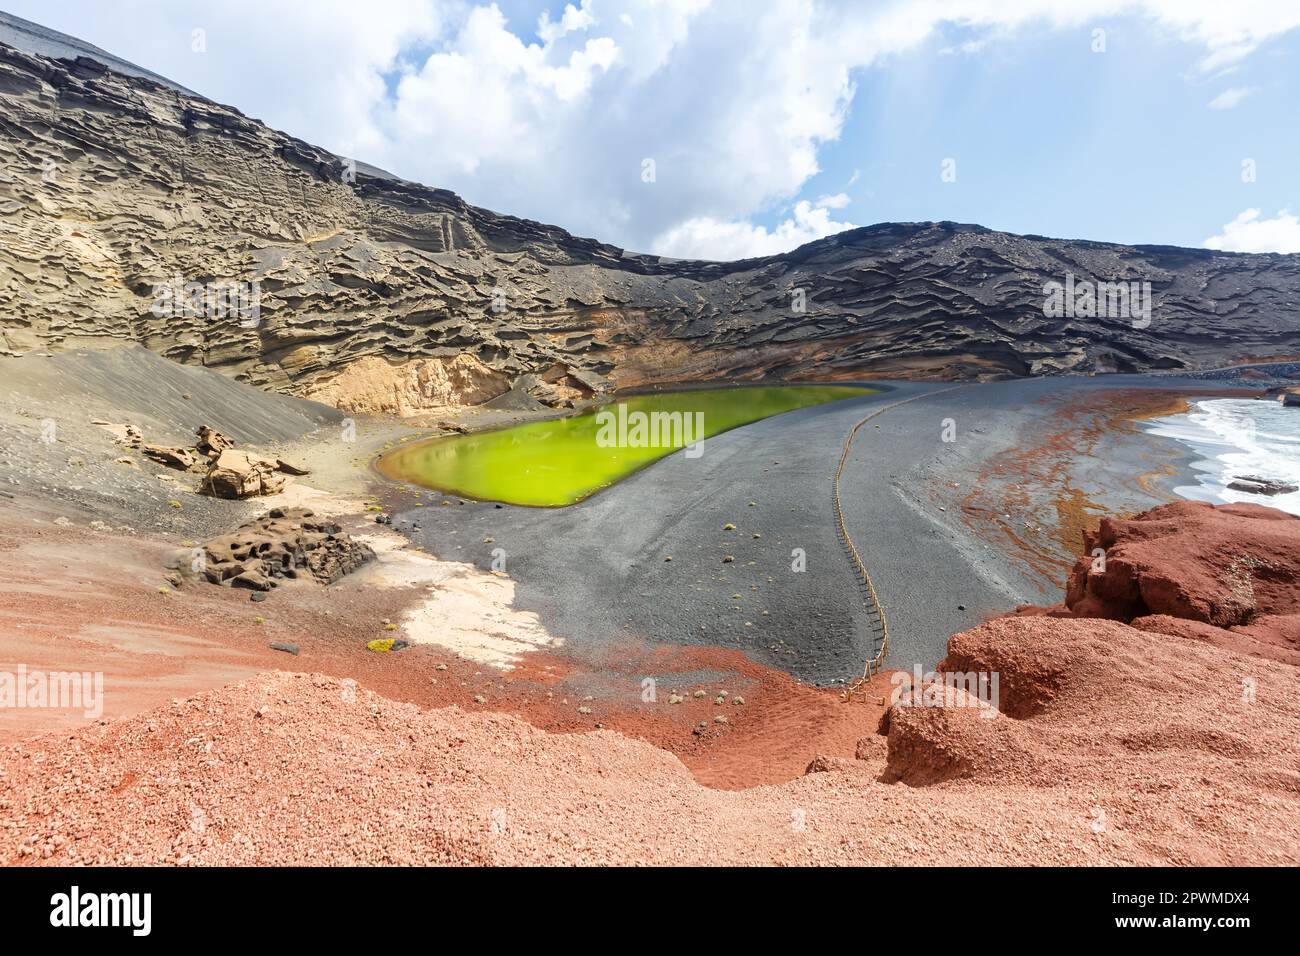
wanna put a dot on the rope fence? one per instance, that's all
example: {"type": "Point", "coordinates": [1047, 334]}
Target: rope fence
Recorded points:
{"type": "Point", "coordinates": [875, 610]}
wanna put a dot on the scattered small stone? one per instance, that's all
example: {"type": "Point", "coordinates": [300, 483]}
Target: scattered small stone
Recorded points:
{"type": "Point", "coordinates": [674, 699]}
{"type": "Point", "coordinates": [291, 467]}
{"type": "Point", "coordinates": [728, 527]}
{"type": "Point", "coordinates": [584, 710]}
{"type": "Point", "coordinates": [257, 596]}
{"type": "Point", "coordinates": [737, 700]}
{"type": "Point", "coordinates": [720, 719]}
{"type": "Point", "coordinates": [699, 693]}
{"type": "Point", "coordinates": [480, 699]}
{"type": "Point", "coordinates": [728, 559]}
{"type": "Point", "coordinates": [286, 647]}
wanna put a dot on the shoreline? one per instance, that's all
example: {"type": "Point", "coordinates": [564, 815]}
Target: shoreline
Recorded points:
{"type": "Point", "coordinates": [671, 740]}
{"type": "Point", "coordinates": [243, 647]}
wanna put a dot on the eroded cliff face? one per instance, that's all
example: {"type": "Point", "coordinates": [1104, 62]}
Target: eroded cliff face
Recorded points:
{"type": "Point", "coordinates": [113, 185]}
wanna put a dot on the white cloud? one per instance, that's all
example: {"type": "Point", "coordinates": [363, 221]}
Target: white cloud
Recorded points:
{"type": "Point", "coordinates": [734, 100]}
{"type": "Point", "coordinates": [837, 201]}
{"type": "Point", "coordinates": [705, 238]}
{"type": "Point", "coordinates": [1231, 97]}
{"type": "Point", "coordinates": [1249, 233]}
{"type": "Point", "coordinates": [571, 20]}
{"type": "Point", "coordinates": [1230, 32]}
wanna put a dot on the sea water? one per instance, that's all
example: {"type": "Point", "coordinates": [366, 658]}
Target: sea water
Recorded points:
{"type": "Point", "coordinates": [1235, 437]}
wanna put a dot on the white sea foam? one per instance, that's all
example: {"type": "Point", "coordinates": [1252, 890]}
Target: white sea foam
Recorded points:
{"type": "Point", "coordinates": [1235, 437]}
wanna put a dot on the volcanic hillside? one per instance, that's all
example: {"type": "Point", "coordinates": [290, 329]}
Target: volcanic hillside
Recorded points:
{"type": "Point", "coordinates": [382, 294]}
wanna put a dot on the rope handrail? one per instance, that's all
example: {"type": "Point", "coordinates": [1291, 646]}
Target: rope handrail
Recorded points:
{"type": "Point", "coordinates": [872, 603]}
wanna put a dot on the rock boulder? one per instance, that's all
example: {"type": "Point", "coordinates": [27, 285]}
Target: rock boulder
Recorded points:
{"type": "Point", "coordinates": [236, 474]}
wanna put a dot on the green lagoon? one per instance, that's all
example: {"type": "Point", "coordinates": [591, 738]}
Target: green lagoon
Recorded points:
{"type": "Point", "coordinates": [563, 460]}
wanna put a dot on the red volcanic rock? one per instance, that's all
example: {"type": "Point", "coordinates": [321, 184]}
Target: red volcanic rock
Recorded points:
{"type": "Point", "coordinates": [1275, 637]}
{"type": "Point", "coordinates": [1141, 751]}
{"type": "Point", "coordinates": [1225, 565]}
{"type": "Point", "coordinates": [1087, 700]}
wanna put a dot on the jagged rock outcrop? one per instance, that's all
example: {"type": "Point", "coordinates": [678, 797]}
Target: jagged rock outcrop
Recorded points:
{"type": "Point", "coordinates": [211, 442]}
{"type": "Point", "coordinates": [1223, 565]}
{"type": "Point", "coordinates": [1228, 575]}
{"type": "Point", "coordinates": [236, 474]}
{"type": "Point", "coordinates": [282, 544]}
{"type": "Point", "coordinates": [173, 457]}
{"type": "Point", "coordinates": [133, 210]}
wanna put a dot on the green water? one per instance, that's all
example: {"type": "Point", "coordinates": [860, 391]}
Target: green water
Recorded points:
{"type": "Point", "coordinates": [563, 460]}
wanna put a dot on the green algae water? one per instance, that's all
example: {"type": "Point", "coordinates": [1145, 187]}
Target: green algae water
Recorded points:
{"type": "Point", "coordinates": [563, 460]}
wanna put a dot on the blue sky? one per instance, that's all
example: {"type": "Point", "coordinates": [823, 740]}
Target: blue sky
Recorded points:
{"type": "Point", "coordinates": [772, 122]}
{"type": "Point", "coordinates": [1054, 139]}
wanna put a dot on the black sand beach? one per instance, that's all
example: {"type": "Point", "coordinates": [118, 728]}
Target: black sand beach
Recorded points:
{"type": "Point", "coordinates": [598, 571]}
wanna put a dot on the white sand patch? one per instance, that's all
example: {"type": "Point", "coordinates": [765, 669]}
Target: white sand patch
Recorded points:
{"type": "Point", "coordinates": [468, 612]}
{"type": "Point", "coordinates": [298, 495]}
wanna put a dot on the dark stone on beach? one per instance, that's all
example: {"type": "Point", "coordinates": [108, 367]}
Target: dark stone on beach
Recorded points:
{"type": "Point", "coordinates": [257, 596]}
{"type": "Point", "coordinates": [251, 579]}
{"type": "Point", "coordinates": [287, 648]}
{"type": "Point", "coordinates": [1255, 485]}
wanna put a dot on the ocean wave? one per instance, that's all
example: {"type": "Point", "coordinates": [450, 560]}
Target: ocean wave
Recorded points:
{"type": "Point", "coordinates": [1234, 437]}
